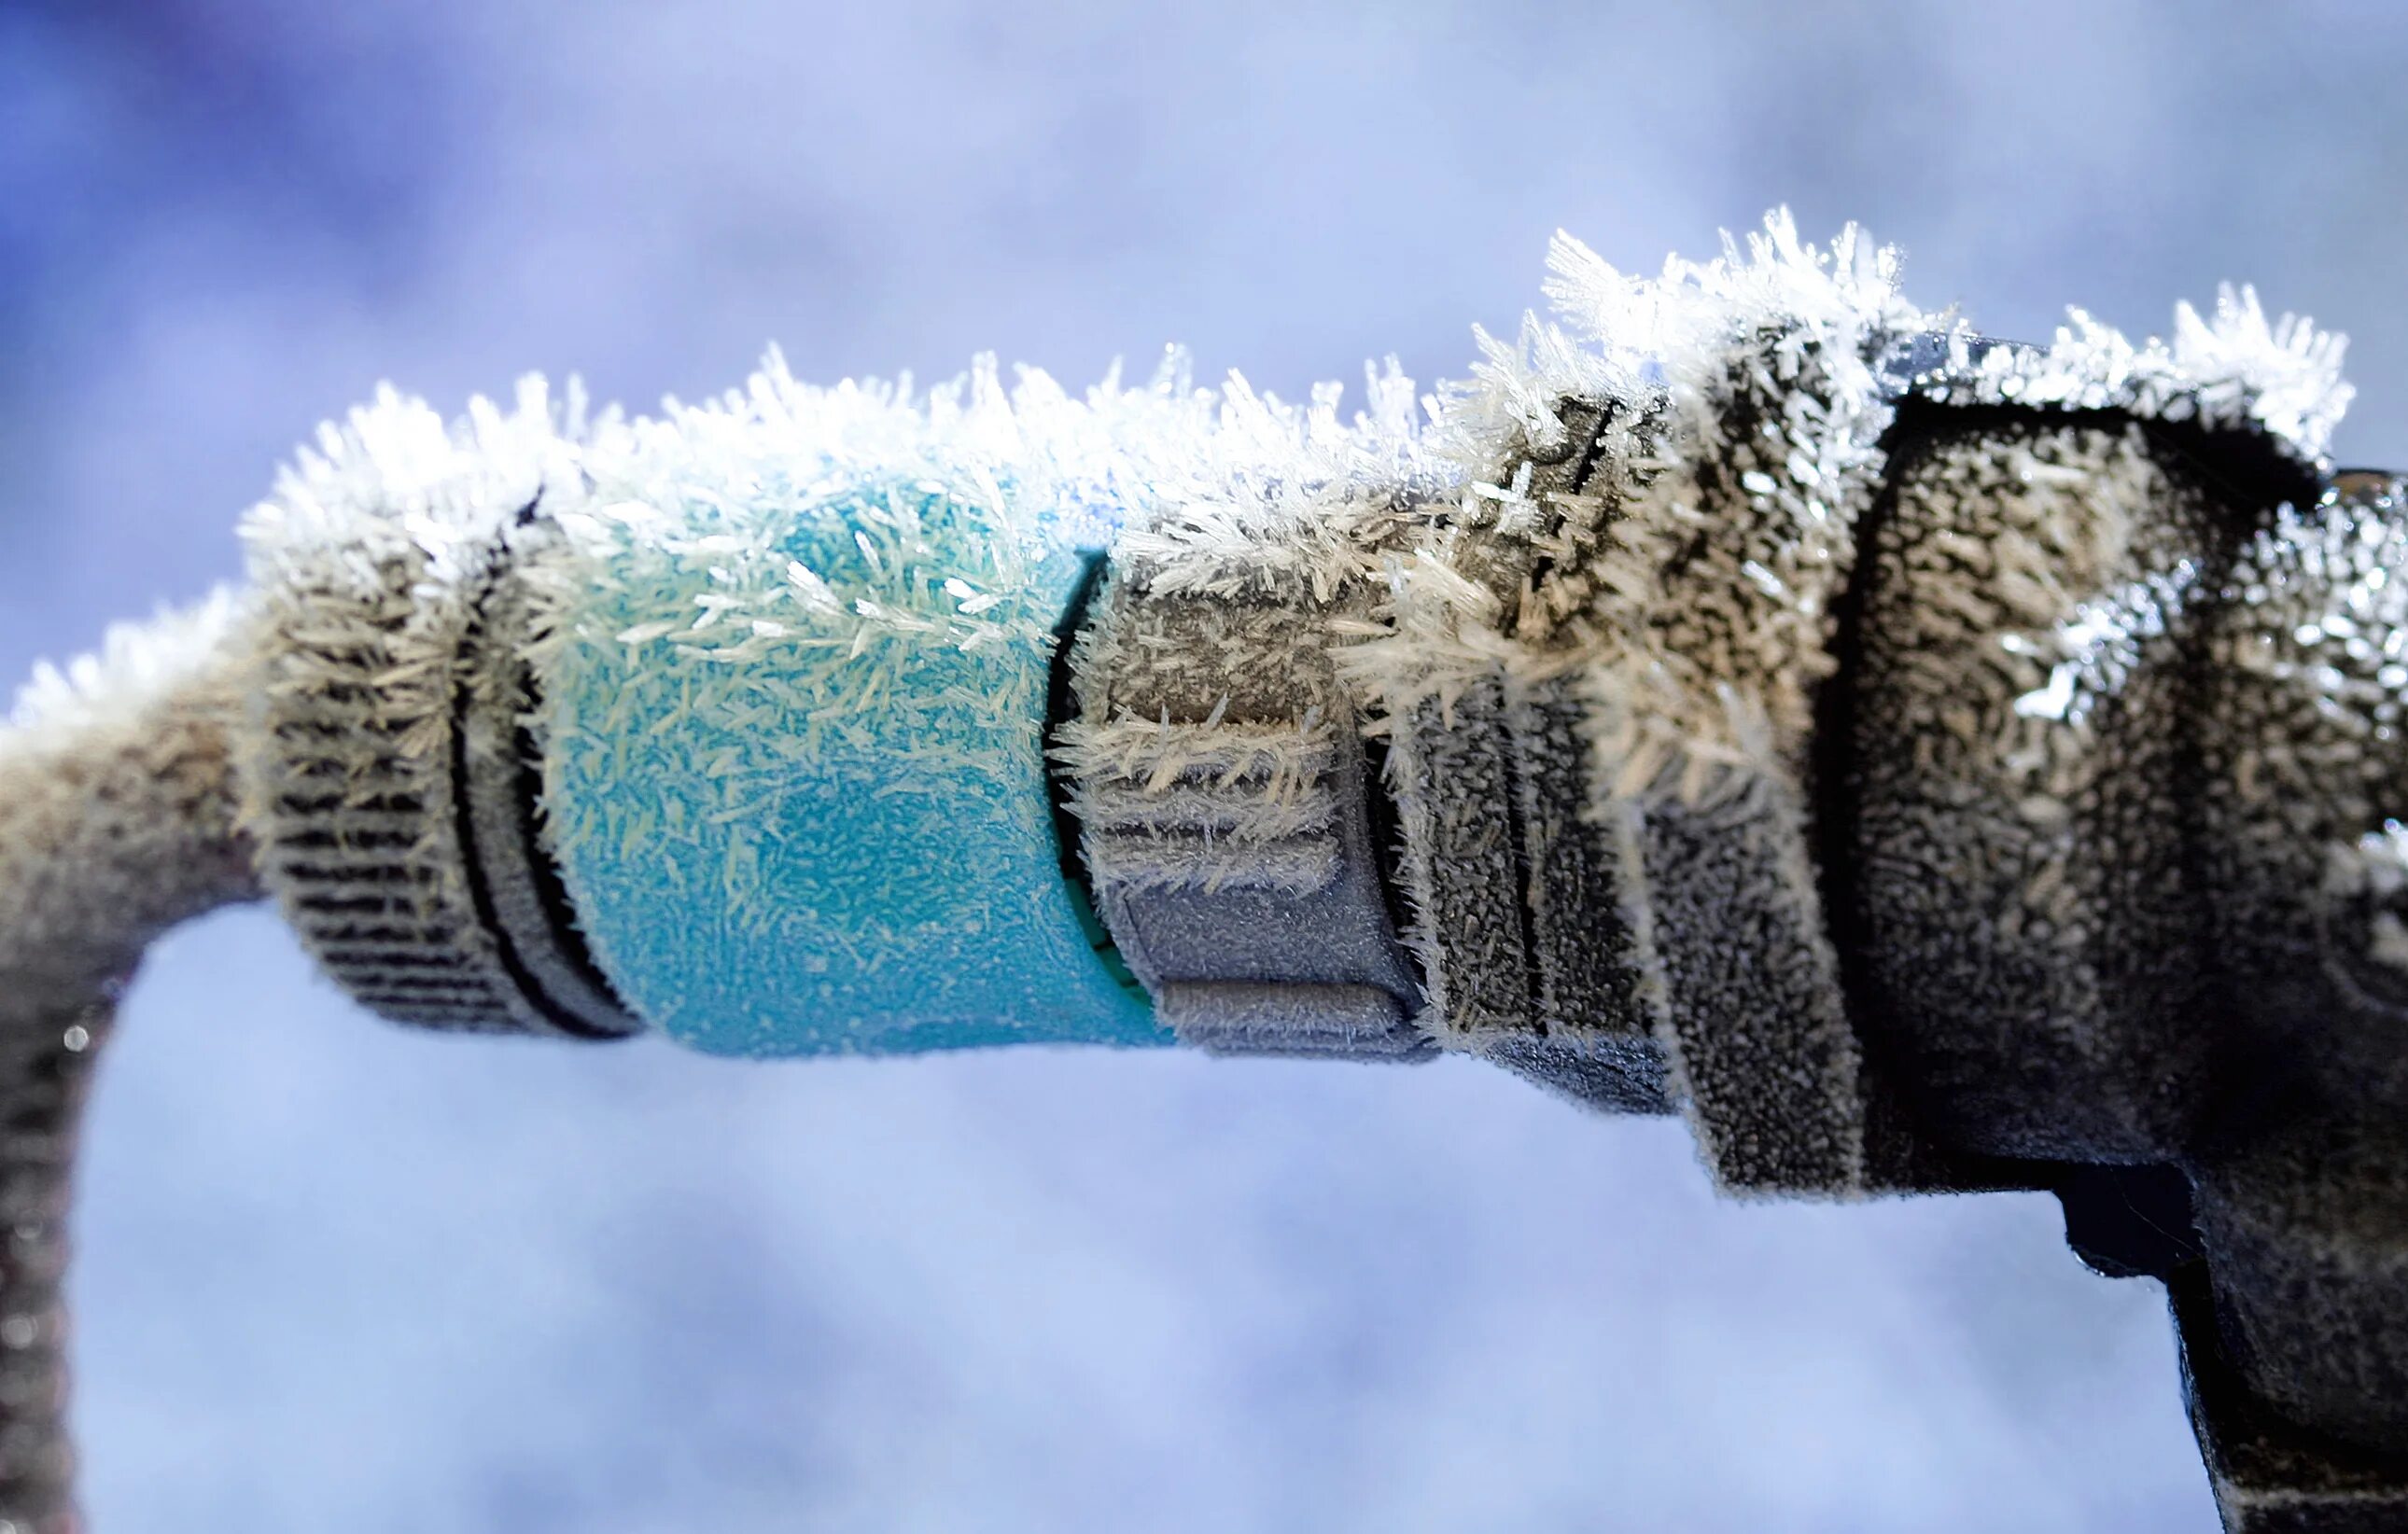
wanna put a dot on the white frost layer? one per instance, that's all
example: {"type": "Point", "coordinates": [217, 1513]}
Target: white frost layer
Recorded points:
{"type": "Point", "coordinates": [1689, 582]}
{"type": "Point", "coordinates": [135, 665]}
{"type": "Point", "coordinates": [1689, 586]}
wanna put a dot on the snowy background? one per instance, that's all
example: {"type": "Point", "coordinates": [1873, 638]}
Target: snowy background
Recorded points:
{"type": "Point", "coordinates": [338, 1277]}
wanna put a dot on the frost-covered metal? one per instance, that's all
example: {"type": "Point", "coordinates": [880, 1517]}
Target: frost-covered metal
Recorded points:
{"type": "Point", "coordinates": [1923, 763]}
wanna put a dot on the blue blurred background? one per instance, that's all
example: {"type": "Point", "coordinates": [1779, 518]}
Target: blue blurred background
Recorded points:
{"type": "Point", "coordinates": [335, 1276]}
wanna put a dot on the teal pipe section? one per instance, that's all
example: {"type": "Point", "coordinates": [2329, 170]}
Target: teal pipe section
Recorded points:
{"type": "Point", "coordinates": [793, 758]}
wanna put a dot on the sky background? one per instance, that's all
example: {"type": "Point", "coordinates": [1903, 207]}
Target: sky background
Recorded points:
{"type": "Point", "coordinates": [337, 1276]}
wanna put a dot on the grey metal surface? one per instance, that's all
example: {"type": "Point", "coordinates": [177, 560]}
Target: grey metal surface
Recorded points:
{"type": "Point", "coordinates": [1301, 1019]}
{"type": "Point", "coordinates": [1229, 842]}
{"type": "Point", "coordinates": [2270, 1475]}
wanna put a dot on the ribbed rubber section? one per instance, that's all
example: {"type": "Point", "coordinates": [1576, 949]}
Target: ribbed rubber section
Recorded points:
{"type": "Point", "coordinates": [358, 842]}
{"type": "Point", "coordinates": [351, 859]}
{"type": "Point", "coordinates": [366, 822]}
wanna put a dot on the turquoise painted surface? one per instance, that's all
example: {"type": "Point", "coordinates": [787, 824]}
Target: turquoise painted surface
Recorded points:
{"type": "Point", "coordinates": [820, 825]}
